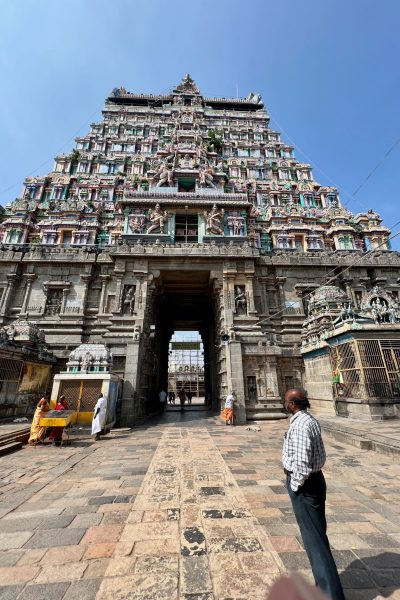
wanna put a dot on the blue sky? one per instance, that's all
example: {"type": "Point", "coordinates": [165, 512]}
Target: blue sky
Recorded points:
{"type": "Point", "coordinates": [327, 70]}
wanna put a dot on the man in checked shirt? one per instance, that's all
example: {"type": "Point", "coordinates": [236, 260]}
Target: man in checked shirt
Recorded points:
{"type": "Point", "coordinates": [303, 458]}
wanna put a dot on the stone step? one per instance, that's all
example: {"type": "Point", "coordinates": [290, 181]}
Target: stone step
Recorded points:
{"type": "Point", "coordinates": [265, 413]}
{"type": "Point", "coordinates": [19, 435]}
{"type": "Point", "coordinates": [11, 447]}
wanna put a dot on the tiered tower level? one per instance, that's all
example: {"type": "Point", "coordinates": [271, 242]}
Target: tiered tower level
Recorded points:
{"type": "Point", "coordinates": [187, 150]}
{"type": "Point", "coordinates": [181, 212]}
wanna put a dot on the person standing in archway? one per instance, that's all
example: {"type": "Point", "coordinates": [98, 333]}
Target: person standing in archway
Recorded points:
{"type": "Point", "coordinates": [182, 398]}
{"type": "Point", "coordinates": [163, 398]}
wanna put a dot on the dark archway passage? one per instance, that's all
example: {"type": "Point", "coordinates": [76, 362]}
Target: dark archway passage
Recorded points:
{"type": "Point", "coordinates": [186, 368]}
{"type": "Point", "coordinates": [184, 302]}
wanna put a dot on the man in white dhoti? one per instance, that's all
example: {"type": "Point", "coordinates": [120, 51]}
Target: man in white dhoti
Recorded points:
{"type": "Point", "coordinates": [99, 417]}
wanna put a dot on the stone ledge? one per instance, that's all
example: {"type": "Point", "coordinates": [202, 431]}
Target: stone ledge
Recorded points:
{"type": "Point", "coordinates": [362, 440]}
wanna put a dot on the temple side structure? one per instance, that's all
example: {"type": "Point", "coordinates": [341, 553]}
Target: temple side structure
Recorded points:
{"type": "Point", "coordinates": [182, 212]}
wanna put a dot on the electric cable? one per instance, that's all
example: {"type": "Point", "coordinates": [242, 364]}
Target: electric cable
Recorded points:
{"type": "Point", "coordinates": [293, 267]}
{"type": "Point", "coordinates": [351, 196]}
{"type": "Point", "coordinates": [330, 280]}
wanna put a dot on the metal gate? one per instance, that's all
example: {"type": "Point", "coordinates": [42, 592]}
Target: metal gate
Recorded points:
{"type": "Point", "coordinates": [11, 371]}
{"type": "Point", "coordinates": [368, 368]}
{"type": "Point", "coordinates": [81, 395]}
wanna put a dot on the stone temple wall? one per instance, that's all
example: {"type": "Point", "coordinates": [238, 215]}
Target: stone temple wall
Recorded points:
{"type": "Point", "coordinates": [318, 381]}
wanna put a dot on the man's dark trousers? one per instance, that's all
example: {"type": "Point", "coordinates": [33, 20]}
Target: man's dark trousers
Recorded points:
{"type": "Point", "coordinates": [309, 509]}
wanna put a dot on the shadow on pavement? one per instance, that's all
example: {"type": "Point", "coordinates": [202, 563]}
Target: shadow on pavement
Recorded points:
{"type": "Point", "coordinates": [372, 572]}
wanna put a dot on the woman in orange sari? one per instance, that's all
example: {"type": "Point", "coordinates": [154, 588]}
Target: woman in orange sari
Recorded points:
{"type": "Point", "coordinates": [37, 432]}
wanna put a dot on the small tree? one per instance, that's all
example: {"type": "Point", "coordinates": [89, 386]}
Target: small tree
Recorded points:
{"type": "Point", "coordinates": [215, 143]}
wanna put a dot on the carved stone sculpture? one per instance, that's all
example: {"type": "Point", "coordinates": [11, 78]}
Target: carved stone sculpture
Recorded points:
{"type": "Point", "coordinates": [207, 177]}
{"type": "Point", "coordinates": [240, 300]}
{"type": "Point", "coordinates": [157, 219]}
{"type": "Point", "coordinates": [165, 175]}
{"type": "Point", "coordinates": [128, 301]}
{"type": "Point", "coordinates": [137, 223]}
{"type": "Point", "coordinates": [86, 362]}
{"type": "Point", "coordinates": [214, 221]}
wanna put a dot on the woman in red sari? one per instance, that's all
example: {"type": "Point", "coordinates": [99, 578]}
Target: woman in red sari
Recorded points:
{"type": "Point", "coordinates": [56, 432]}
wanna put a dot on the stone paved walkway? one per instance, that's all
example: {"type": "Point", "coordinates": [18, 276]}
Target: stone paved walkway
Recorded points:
{"type": "Point", "coordinates": [186, 509]}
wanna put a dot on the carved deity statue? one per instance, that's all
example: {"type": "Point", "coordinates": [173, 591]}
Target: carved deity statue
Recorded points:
{"type": "Point", "coordinates": [128, 301]}
{"type": "Point", "coordinates": [236, 225]}
{"type": "Point", "coordinates": [157, 220]}
{"type": "Point", "coordinates": [214, 221]}
{"type": "Point", "coordinates": [136, 224]}
{"type": "Point", "coordinates": [207, 177]}
{"type": "Point", "coordinates": [165, 175]}
{"type": "Point", "coordinates": [380, 311]}
{"type": "Point", "coordinates": [86, 362]}
{"type": "Point", "coordinates": [240, 299]}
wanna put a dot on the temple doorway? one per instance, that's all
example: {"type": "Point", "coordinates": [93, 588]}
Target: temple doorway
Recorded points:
{"type": "Point", "coordinates": [183, 350]}
{"type": "Point", "coordinates": [186, 370]}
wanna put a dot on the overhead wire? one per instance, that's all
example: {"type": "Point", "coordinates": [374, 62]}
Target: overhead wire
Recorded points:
{"type": "Point", "coordinates": [351, 196]}
{"type": "Point", "coordinates": [331, 279]}
{"type": "Point", "coordinates": [311, 162]}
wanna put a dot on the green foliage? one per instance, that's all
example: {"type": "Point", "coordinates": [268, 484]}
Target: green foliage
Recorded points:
{"type": "Point", "coordinates": [215, 144]}
{"type": "Point", "coordinates": [75, 156]}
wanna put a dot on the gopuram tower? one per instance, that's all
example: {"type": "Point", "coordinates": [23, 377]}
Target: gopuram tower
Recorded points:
{"type": "Point", "coordinates": [181, 212]}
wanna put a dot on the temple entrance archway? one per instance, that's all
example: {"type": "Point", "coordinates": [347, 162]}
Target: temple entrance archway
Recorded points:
{"type": "Point", "coordinates": [184, 303]}
{"type": "Point", "coordinates": [186, 300]}
{"type": "Point", "coordinates": [186, 370]}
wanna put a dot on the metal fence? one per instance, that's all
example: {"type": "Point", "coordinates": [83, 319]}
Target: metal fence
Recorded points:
{"type": "Point", "coordinates": [81, 395]}
{"type": "Point", "coordinates": [11, 371]}
{"type": "Point", "coordinates": [368, 368]}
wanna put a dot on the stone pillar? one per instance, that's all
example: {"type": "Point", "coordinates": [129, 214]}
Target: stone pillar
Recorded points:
{"type": "Point", "coordinates": [85, 278]}
{"type": "Point", "coordinates": [235, 379]}
{"type": "Point", "coordinates": [104, 279]}
{"type": "Point", "coordinates": [126, 220]}
{"type": "Point", "coordinates": [347, 281]}
{"type": "Point", "coordinates": [263, 285]}
{"type": "Point", "coordinates": [30, 277]}
{"type": "Point", "coordinates": [272, 377]}
{"type": "Point", "coordinates": [280, 281]}
{"type": "Point", "coordinates": [130, 395]}
{"type": "Point", "coordinates": [139, 294]}
{"type": "Point", "coordinates": [118, 294]}
{"type": "Point", "coordinates": [227, 291]}
{"type": "Point", "coordinates": [65, 291]}
{"type": "Point", "coordinates": [251, 309]}
{"type": "Point", "coordinates": [7, 296]}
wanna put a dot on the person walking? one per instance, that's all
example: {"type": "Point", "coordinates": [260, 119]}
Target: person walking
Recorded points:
{"type": "Point", "coordinates": [99, 417]}
{"type": "Point", "coordinates": [303, 458]}
{"type": "Point", "coordinates": [227, 413]}
{"type": "Point", "coordinates": [163, 398]}
{"type": "Point", "coordinates": [189, 396]}
{"type": "Point", "coordinates": [182, 398]}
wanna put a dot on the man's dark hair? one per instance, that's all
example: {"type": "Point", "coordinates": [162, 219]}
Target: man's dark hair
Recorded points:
{"type": "Point", "coordinates": [300, 398]}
